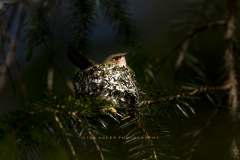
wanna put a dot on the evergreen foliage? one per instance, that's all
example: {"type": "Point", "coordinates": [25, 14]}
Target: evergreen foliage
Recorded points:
{"type": "Point", "coordinates": [64, 127]}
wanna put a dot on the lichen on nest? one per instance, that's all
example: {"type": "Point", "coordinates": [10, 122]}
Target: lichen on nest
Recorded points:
{"type": "Point", "coordinates": [109, 81]}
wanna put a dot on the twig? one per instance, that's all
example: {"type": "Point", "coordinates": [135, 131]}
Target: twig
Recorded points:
{"type": "Point", "coordinates": [144, 130]}
{"type": "Point", "coordinates": [121, 22]}
{"type": "Point", "coordinates": [90, 133]}
{"type": "Point", "coordinates": [56, 111]}
{"type": "Point", "coordinates": [194, 35]}
{"type": "Point", "coordinates": [181, 56]}
{"type": "Point", "coordinates": [65, 134]}
{"type": "Point", "coordinates": [196, 69]}
{"type": "Point", "coordinates": [193, 93]}
{"type": "Point", "coordinates": [208, 123]}
{"type": "Point", "coordinates": [195, 145]}
{"type": "Point", "coordinates": [2, 69]}
{"type": "Point", "coordinates": [6, 35]}
{"type": "Point", "coordinates": [203, 28]}
{"type": "Point", "coordinates": [23, 85]}
{"type": "Point", "coordinates": [187, 40]}
{"type": "Point", "coordinates": [11, 54]}
{"type": "Point", "coordinates": [50, 78]}
{"type": "Point", "coordinates": [11, 18]}
{"type": "Point", "coordinates": [65, 77]}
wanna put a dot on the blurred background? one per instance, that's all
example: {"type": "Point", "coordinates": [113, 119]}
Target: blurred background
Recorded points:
{"type": "Point", "coordinates": [162, 25]}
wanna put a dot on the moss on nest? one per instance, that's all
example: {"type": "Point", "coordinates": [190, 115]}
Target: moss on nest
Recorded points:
{"type": "Point", "coordinates": [109, 81]}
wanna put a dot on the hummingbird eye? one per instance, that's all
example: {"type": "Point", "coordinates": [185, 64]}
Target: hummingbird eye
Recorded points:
{"type": "Point", "coordinates": [115, 58]}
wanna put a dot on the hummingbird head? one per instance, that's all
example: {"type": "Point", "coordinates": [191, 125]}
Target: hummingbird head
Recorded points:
{"type": "Point", "coordinates": [119, 58]}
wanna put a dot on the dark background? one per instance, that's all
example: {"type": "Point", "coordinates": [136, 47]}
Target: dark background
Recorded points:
{"type": "Point", "coordinates": [163, 24]}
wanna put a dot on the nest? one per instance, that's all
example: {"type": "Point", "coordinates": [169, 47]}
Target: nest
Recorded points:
{"type": "Point", "coordinates": [110, 82]}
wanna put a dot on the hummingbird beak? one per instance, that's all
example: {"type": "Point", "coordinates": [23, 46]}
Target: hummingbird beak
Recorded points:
{"type": "Point", "coordinates": [133, 50]}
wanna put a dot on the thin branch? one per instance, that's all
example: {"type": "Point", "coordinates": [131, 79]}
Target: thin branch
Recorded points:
{"type": "Point", "coordinates": [54, 110]}
{"type": "Point", "coordinates": [181, 56]}
{"type": "Point", "coordinates": [196, 69]}
{"type": "Point", "coordinates": [194, 35]}
{"type": "Point", "coordinates": [195, 145]}
{"type": "Point", "coordinates": [2, 68]}
{"type": "Point", "coordinates": [11, 54]}
{"type": "Point", "coordinates": [23, 85]}
{"type": "Point", "coordinates": [83, 18]}
{"type": "Point", "coordinates": [50, 78]}
{"type": "Point", "coordinates": [117, 16]}
{"type": "Point", "coordinates": [53, 65]}
{"type": "Point", "coordinates": [203, 28]}
{"type": "Point", "coordinates": [207, 125]}
{"type": "Point", "coordinates": [145, 131]}
{"type": "Point", "coordinates": [193, 93]}
{"type": "Point", "coordinates": [6, 34]}
{"type": "Point", "coordinates": [90, 133]}
{"type": "Point", "coordinates": [65, 77]}
{"type": "Point", "coordinates": [65, 134]}
{"type": "Point", "coordinates": [186, 42]}
{"type": "Point", "coordinates": [11, 18]}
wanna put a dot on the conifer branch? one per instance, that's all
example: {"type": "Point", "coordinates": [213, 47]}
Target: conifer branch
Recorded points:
{"type": "Point", "coordinates": [13, 45]}
{"type": "Point", "coordinates": [42, 9]}
{"type": "Point", "coordinates": [118, 17]}
{"type": "Point", "coordinates": [65, 78]}
{"type": "Point", "coordinates": [65, 134]}
{"type": "Point", "coordinates": [145, 131]}
{"type": "Point", "coordinates": [23, 85]}
{"type": "Point", "coordinates": [193, 35]}
{"type": "Point", "coordinates": [83, 17]}
{"type": "Point", "coordinates": [196, 69]}
{"type": "Point", "coordinates": [186, 42]}
{"type": "Point", "coordinates": [54, 111]}
{"type": "Point", "coordinates": [14, 10]}
{"type": "Point", "coordinates": [203, 129]}
{"type": "Point", "coordinates": [5, 35]}
{"type": "Point", "coordinates": [194, 147]}
{"type": "Point", "coordinates": [4, 66]}
{"type": "Point", "coordinates": [193, 93]}
{"type": "Point", "coordinates": [183, 43]}
{"type": "Point", "coordinates": [90, 133]}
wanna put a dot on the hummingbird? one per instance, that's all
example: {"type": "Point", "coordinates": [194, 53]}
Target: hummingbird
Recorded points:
{"type": "Point", "coordinates": [111, 80]}
{"type": "Point", "coordinates": [83, 62]}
